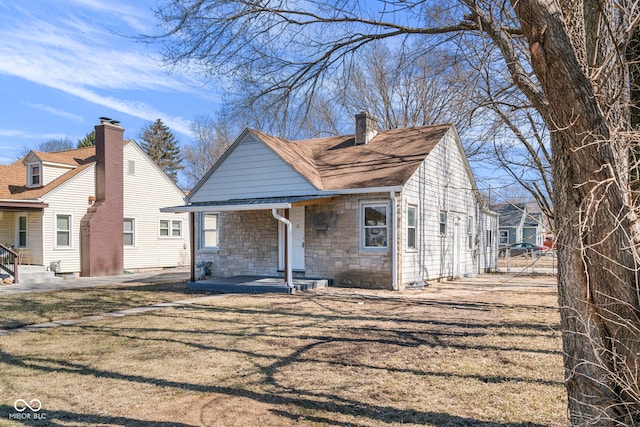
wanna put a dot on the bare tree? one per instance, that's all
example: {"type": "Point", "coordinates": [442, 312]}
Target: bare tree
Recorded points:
{"type": "Point", "coordinates": [568, 60]}
{"type": "Point", "coordinates": [52, 145]}
{"type": "Point", "coordinates": [211, 139]}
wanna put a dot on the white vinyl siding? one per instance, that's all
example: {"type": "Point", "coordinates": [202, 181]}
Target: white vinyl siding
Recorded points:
{"type": "Point", "coordinates": [270, 176]}
{"type": "Point", "coordinates": [145, 192]}
{"type": "Point", "coordinates": [72, 198]}
{"type": "Point", "coordinates": [441, 189]}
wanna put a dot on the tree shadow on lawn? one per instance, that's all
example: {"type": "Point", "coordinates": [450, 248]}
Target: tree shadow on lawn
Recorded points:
{"type": "Point", "coordinates": [321, 402]}
{"type": "Point", "coordinates": [55, 418]}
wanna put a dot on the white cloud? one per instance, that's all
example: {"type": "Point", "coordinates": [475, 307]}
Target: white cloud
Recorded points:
{"type": "Point", "coordinates": [75, 54]}
{"type": "Point", "coordinates": [65, 114]}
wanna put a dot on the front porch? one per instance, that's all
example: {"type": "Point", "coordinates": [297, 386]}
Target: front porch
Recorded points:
{"type": "Point", "coordinates": [256, 284]}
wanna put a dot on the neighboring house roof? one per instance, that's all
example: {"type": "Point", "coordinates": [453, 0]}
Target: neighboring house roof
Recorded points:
{"type": "Point", "coordinates": [510, 215]}
{"type": "Point", "coordinates": [336, 163]}
{"type": "Point", "coordinates": [13, 176]}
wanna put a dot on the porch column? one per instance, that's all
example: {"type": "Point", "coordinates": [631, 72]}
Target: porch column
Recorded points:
{"type": "Point", "coordinates": [192, 241]}
{"type": "Point", "coordinates": [287, 246]}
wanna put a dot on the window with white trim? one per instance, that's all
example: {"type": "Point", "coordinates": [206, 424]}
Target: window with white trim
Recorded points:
{"type": "Point", "coordinates": [35, 175]}
{"type": "Point", "coordinates": [470, 231]}
{"type": "Point", "coordinates": [504, 237]}
{"type": "Point", "coordinates": [209, 230]}
{"type": "Point", "coordinates": [63, 231]}
{"type": "Point", "coordinates": [374, 225]}
{"type": "Point", "coordinates": [129, 229]}
{"type": "Point", "coordinates": [412, 227]}
{"type": "Point", "coordinates": [170, 228]}
{"type": "Point", "coordinates": [443, 223]}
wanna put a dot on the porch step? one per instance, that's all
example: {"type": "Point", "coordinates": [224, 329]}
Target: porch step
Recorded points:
{"type": "Point", "coordinates": [256, 285]}
{"type": "Point", "coordinates": [34, 274]}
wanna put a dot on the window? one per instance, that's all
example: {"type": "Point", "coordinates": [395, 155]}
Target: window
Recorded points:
{"type": "Point", "coordinates": [374, 226]}
{"type": "Point", "coordinates": [34, 175]}
{"type": "Point", "coordinates": [131, 167]}
{"type": "Point", "coordinates": [443, 223]}
{"type": "Point", "coordinates": [209, 231]}
{"type": "Point", "coordinates": [22, 231]}
{"type": "Point", "coordinates": [129, 227]}
{"type": "Point", "coordinates": [489, 237]}
{"type": "Point", "coordinates": [470, 231]}
{"type": "Point", "coordinates": [504, 237]}
{"type": "Point", "coordinates": [411, 227]}
{"type": "Point", "coordinates": [170, 228]}
{"type": "Point", "coordinates": [63, 231]}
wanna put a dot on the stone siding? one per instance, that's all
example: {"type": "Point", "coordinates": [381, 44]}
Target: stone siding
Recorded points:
{"type": "Point", "coordinates": [248, 244]}
{"type": "Point", "coordinates": [332, 241]}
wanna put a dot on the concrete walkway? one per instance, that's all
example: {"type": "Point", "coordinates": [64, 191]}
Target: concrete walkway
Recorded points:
{"type": "Point", "coordinates": [87, 282]}
{"type": "Point", "coordinates": [118, 313]}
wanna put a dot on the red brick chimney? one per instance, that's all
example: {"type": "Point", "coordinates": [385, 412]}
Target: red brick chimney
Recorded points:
{"type": "Point", "coordinates": [101, 239]}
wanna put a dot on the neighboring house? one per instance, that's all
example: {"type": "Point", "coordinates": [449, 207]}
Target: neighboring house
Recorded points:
{"type": "Point", "coordinates": [94, 210]}
{"type": "Point", "coordinates": [520, 222]}
{"type": "Point", "coordinates": [375, 209]}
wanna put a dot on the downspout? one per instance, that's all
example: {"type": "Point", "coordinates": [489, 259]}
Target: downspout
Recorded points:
{"type": "Point", "coordinates": [287, 223]}
{"type": "Point", "coordinates": [394, 241]}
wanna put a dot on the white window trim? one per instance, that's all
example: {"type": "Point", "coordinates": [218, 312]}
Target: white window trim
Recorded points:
{"type": "Point", "coordinates": [17, 239]}
{"type": "Point", "coordinates": [55, 231]}
{"type": "Point", "coordinates": [201, 231]}
{"type": "Point", "coordinates": [371, 203]}
{"type": "Point", "coordinates": [500, 232]}
{"type": "Point", "coordinates": [30, 166]}
{"type": "Point", "coordinates": [415, 227]}
{"type": "Point", "coordinates": [446, 220]}
{"type": "Point", "coordinates": [470, 223]}
{"type": "Point", "coordinates": [170, 230]}
{"type": "Point", "coordinates": [135, 232]}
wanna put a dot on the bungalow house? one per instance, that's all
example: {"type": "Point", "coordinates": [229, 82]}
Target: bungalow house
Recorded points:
{"type": "Point", "coordinates": [520, 222]}
{"type": "Point", "coordinates": [93, 211]}
{"type": "Point", "coordinates": [378, 209]}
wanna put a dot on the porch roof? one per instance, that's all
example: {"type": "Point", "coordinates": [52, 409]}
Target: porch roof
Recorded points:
{"type": "Point", "coordinates": [248, 204]}
{"type": "Point", "coordinates": [22, 205]}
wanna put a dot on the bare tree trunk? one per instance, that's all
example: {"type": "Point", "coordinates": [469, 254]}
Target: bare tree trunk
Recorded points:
{"type": "Point", "coordinates": [597, 276]}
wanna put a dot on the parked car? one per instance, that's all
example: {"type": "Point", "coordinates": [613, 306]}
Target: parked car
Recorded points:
{"type": "Point", "coordinates": [522, 248]}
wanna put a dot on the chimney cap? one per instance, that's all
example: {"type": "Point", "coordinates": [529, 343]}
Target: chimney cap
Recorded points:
{"type": "Point", "coordinates": [105, 120]}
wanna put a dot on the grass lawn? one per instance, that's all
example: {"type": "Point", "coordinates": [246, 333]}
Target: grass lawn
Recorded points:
{"type": "Point", "coordinates": [479, 352]}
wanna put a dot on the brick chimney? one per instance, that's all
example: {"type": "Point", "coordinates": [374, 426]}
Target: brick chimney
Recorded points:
{"type": "Point", "coordinates": [101, 239]}
{"type": "Point", "coordinates": [366, 128]}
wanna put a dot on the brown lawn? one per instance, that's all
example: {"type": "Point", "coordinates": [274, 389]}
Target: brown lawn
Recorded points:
{"type": "Point", "coordinates": [479, 352]}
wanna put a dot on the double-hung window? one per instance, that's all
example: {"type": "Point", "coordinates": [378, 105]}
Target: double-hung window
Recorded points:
{"type": "Point", "coordinates": [129, 227]}
{"type": "Point", "coordinates": [170, 228]}
{"type": "Point", "coordinates": [35, 175]}
{"type": "Point", "coordinates": [443, 223]}
{"type": "Point", "coordinates": [209, 231]}
{"type": "Point", "coordinates": [411, 227]}
{"type": "Point", "coordinates": [63, 231]}
{"type": "Point", "coordinates": [374, 225]}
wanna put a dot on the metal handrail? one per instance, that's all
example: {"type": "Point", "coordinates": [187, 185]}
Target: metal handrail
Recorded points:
{"type": "Point", "coordinates": [9, 261]}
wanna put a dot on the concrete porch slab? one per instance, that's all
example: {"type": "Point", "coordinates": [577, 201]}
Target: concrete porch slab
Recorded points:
{"type": "Point", "coordinates": [256, 284]}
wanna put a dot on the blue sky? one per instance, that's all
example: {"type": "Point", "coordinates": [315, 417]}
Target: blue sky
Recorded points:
{"type": "Point", "coordinates": [66, 63]}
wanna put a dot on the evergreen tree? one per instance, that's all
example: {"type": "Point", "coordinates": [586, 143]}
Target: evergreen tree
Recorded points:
{"type": "Point", "coordinates": [89, 140]}
{"type": "Point", "coordinates": [162, 146]}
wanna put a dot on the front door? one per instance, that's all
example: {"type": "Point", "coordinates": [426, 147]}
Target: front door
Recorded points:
{"type": "Point", "coordinates": [296, 216]}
